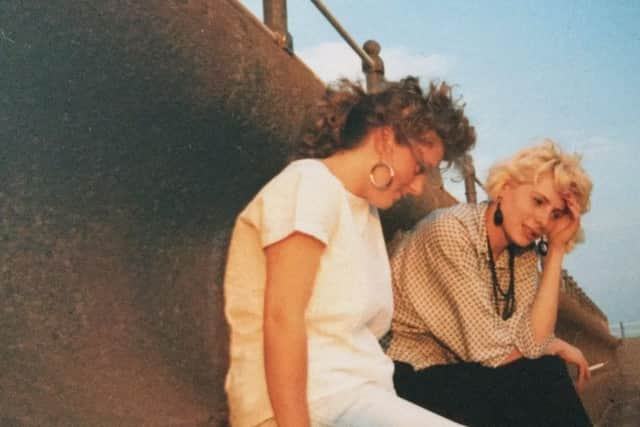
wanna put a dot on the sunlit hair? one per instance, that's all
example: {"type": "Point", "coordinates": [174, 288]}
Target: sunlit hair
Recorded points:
{"type": "Point", "coordinates": [346, 115]}
{"type": "Point", "coordinates": [531, 164]}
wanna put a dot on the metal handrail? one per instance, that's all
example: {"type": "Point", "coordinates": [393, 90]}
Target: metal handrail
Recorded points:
{"type": "Point", "coordinates": [624, 330]}
{"type": "Point", "coordinates": [275, 15]}
{"type": "Point", "coordinates": [345, 35]}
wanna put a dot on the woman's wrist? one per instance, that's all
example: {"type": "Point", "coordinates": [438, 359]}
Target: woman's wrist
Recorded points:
{"type": "Point", "coordinates": [557, 246]}
{"type": "Point", "coordinates": [553, 347]}
{"type": "Point", "coordinates": [555, 255]}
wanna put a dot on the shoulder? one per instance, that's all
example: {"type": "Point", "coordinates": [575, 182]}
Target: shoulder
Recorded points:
{"type": "Point", "coordinates": [452, 223]}
{"type": "Point", "coordinates": [304, 176]}
{"type": "Point", "coordinates": [303, 197]}
{"type": "Point", "coordinates": [444, 232]}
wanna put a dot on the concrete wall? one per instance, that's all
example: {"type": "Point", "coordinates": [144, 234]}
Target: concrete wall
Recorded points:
{"type": "Point", "coordinates": [131, 134]}
{"type": "Point", "coordinates": [581, 323]}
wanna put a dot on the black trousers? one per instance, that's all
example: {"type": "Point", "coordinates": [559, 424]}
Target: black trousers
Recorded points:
{"type": "Point", "coordinates": [527, 392]}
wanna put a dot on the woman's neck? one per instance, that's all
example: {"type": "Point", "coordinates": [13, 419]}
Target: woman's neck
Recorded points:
{"type": "Point", "coordinates": [350, 170]}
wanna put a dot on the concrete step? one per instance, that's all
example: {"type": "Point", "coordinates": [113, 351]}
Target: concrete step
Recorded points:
{"type": "Point", "coordinates": [626, 413]}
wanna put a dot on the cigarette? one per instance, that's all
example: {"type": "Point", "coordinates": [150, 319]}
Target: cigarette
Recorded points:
{"type": "Point", "coordinates": [597, 366]}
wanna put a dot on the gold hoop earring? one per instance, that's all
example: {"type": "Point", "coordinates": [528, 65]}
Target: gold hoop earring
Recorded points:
{"type": "Point", "coordinates": [390, 172]}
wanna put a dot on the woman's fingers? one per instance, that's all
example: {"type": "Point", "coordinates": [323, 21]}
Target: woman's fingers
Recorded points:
{"type": "Point", "coordinates": [584, 375]}
{"type": "Point", "coordinates": [569, 224]}
{"type": "Point", "coordinates": [588, 372]}
{"type": "Point", "coordinates": [573, 207]}
{"type": "Point", "coordinates": [574, 356]}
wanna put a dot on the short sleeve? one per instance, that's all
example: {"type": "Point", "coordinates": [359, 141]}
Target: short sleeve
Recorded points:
{"type": "Point", "coordinates": [305, 198]}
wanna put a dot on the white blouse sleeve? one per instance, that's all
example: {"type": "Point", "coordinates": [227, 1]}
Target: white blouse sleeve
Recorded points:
{"type": "Point", "coordinates": [305, 200]}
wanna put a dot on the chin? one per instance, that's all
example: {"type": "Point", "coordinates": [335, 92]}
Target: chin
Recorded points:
{"type": "Point", "coordinates": [520, 241]}
{"type": "Point", "coordinates": [524, 243]}
{"type": "Point", "coordinates": [383, 204]}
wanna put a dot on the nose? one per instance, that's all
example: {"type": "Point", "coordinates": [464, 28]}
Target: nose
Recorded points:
{"type": "Point", "coordinates": [542, 218]}
{"type": "Point", "coordinates": [416, 187]}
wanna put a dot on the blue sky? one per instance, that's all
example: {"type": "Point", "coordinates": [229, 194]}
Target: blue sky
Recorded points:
{"type": "Point", "coordinates": [567, 70]}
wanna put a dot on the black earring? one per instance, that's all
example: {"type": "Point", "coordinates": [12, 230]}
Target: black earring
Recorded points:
{"type": "Point", "coordinates": [543, 247]}
{"type": "Point", "coordinates": [498, 219]}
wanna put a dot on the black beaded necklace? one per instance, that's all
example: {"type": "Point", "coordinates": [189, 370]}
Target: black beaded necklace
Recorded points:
{"type": "Point", "coordinates": [508, 298]}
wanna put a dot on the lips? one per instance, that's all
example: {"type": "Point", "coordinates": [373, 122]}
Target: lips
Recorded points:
{"type": "Point", "coordinates": [530, 234]}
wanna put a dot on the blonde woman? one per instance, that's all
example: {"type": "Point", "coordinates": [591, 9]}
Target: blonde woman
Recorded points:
{"type": "Point", "coordinates": [473, 326]}
{"type": "Point", "coordinates": [308, 284]}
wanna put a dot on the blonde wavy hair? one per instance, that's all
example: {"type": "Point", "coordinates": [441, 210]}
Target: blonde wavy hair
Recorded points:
{"type": "Point", "coordinates": [545, 159]}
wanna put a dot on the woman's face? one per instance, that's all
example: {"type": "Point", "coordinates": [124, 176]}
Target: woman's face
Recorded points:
{"type": "Point", "coordinates": [411, 164]}
{"type": "Point", "coordinates": [531, 210]}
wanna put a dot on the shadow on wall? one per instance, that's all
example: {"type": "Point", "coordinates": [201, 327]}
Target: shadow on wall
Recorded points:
{"type": "Point", "coordinates": [132, 133]}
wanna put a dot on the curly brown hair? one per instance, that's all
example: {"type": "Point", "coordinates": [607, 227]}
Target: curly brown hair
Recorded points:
{"type": "Point", "coordinates": [346, 114]}
{"type": "Point", "coordinates": [445, 115]}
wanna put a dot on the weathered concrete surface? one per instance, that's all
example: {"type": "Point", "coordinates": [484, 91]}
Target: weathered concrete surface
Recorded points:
{"type": "Point", "coordinates": [131, 133]}
{"type": "Point", "coordinates": [625, 410]}
{"type": "Point", "coordinates": [580, 326]}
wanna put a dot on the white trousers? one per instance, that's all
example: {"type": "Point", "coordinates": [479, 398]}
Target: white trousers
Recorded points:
{"type": "Point", "coordinates": [369, 406]}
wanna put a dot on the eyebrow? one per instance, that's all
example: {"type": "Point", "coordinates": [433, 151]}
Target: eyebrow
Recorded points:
{"type": "Point", "coordinates": [546, 199]}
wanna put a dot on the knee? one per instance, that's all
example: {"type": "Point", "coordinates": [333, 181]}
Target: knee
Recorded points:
{"type": "Point", "coordinates": [550, 371]}
{"type": "Point", "coordinates": [543, 368]}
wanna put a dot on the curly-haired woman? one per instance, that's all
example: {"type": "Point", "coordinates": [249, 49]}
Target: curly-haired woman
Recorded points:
{"type": "Point", "coordinates": [308, 285]}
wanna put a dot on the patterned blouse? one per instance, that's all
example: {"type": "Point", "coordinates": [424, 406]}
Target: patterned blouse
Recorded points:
{"type": "Point", "coordinates": [444, 309]}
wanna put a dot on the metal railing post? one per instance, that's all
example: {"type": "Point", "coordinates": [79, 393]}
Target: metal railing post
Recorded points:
{"type": "Point", "coordinates": [374, 71]}
{"type": "Point", "coordinates": [469, 174]}
{"type": "Point", "coordinates": [275, 17]}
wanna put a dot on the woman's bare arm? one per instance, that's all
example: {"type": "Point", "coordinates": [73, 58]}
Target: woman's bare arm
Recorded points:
{"type": "Point", "coordinates": [545, 305]}
{"type": "Point", "coordinates": [292, 265]}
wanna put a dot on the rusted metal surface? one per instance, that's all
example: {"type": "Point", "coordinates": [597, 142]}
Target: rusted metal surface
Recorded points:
{"type": "Point", "coordinates": [132, 133]}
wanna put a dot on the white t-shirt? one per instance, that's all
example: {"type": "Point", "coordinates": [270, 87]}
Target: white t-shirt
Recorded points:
{"type": "Point", "coordinates": [351, 303]}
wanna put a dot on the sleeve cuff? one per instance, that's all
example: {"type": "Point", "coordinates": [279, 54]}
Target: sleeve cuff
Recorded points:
{"type": "Point", "coordinates": [526, 343]}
